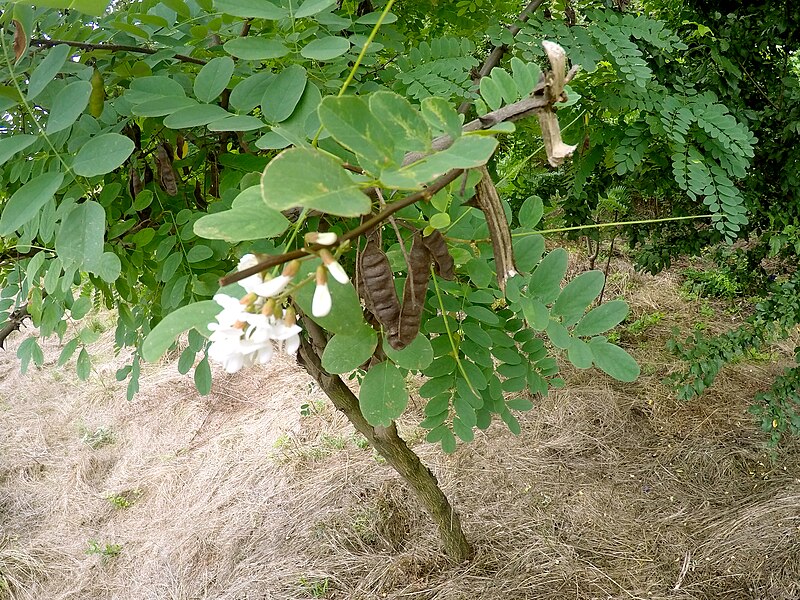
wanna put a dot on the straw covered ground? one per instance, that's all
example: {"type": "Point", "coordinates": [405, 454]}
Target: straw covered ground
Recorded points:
{"type": "Point", "coordinates": [611, 491]}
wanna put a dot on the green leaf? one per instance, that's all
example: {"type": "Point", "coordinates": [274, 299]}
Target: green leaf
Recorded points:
{"type": "Point", "coordinates": [199, 253]}
{"type": "Point", "coordinates": [213, 78]}
{"type": "Point", "coordinates": [312, 7]}
{"type": "Point", "coordinates": [68, 106]}
{"type": "Point", "coordinates": [418, 355]}
{"type": "Point", "coordinates": [410, 131]}
{"type": "Point", "coordinates": [441, 116]}
{"type": "Point", "coordinates": [558, 334]}
{"type": "Point", "coordinates": [351, 123]}
{"type": "Point", "coordinates": [536, 313]}
{"type": "Point", "coordinates": [79, 241]}
{"type": "Point", "coordinates": [325, 48]}
{"type": "Point", "coordinates": [466, 153]}
{"type": "Point", "coordinates": [26, 202]}
{"type": "Point", "coordinates": [80, 308]}
{"type": "Point", "coordinates": [523, 77]}
{"type": "Point", "coordinates": [255, 48]}
{"type": "Point", "coordinates": [545, 283]}
{"type": "Point", "coordinates": [491, 94]}
{"type": "Point", "coordinates": [249, 219]}
{"type": "Point", "coordinates": [580, 354]}
{"type": "Point", "coordinates": [202, 377]}
{"type": "Point", "coordinates": [528, 252]}
{"type": "Point", "coordinates": [346, 315]}
{"type": "Point", "coordinates": [195, 115]}
{"type": "Point", "coordinates": [186, 360]}
{"type": "Point", "coordinates": [602, 318]}
{"type": "Point", "coordinates": [46, 70]}
{"type": "Point", "coordinates": [237, 123]}
{"type": "Point", "coordinates": [309, 178]}
{"type": "Point", "coordinates": [84, 365]}
{"type": "Point", "coordinates": [159, 107]}
{"type": "Point", "coordinates": [11, 144]}
{"type": "Point", "coordinates": [102, 154]}
{"type": "Point", "coordinates": [282, 93]}
{"type": "Point", "coordinates": [258, 9]}
{"type": "Point", "coordinates": [109, 268]}
{"type": "Point", "coordinates": [163, 335]}
{"type": "Point", "coordinates": [522, 404]}
{"type": "Point", "coordinates": [505, 84]}
{"type": "Point", "coordinates": [248, 92]}
{"type": "Point", "coordinates": [383, 396]}
{"type": "Point", "coordinates": [578, 294]}
{"type": "Point", "coordinates": [89, 7]}
{"type": "Point", "coordinates": [67, 351]}
{"type": "Point", "coordinates": [613, 360]}
{"type": "Point", "coordinates": [530, 213]}
{"type": "Point", "coordinates": [345, 352]}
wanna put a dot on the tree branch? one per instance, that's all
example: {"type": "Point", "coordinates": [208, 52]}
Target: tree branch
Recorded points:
{"type": "Point", "coordinates": [13, 323]}
{"type": "Point", "coordinates": [498, 51]}
{"type": "Point", "coordinates": [113, 48]}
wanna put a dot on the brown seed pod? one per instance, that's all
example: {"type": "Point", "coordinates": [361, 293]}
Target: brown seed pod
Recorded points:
{"type": "Point", "coordinates": [488, 201]}
{"type": "Point", "coordinates": [443, 262]}
{"type": "Point", "coordinates": [213, 188]}
{"type": "Point", "coordinates": [377, 287]}
{"type": "Point", "coordinates": [135, 184]}
{"type": "Point", "coordinates": [199, 200]}
{"type": "Point", "coordinates": [416, 287]}
{"type": "Point", "coordinates": [166, 173]}
{"type": "Point", "coordinates": [148, 173]}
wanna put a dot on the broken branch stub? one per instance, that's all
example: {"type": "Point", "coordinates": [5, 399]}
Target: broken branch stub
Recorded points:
{"type": "Point", "coordinates": [555, 80]}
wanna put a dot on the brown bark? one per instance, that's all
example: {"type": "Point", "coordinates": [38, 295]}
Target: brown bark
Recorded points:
{"type": "Point", "coordinates": [390, 446]}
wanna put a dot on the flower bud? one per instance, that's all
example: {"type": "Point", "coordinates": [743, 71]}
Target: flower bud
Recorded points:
{"type": "Point", "coordinates": [327, 238]}
{"type": "Point", "coordinates": [321, 303]}
{"type": "Point", "coordinates": [289, 317]}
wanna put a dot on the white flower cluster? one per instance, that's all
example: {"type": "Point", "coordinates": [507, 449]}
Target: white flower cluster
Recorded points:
{"type": "Point", "coordinates": [251, 329]}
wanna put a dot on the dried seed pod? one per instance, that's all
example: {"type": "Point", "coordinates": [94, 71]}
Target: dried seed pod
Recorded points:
{"type": "Point", "coordinates": [443, 262]}
{"type": "Point", "coordinates": [148, 173]}
{"type": "Point", "coordinates": [489, 202]}
{"type": "Point", "coordinates": [199, 200]}
{"type": "Point", "coordinates": [213, 188]}
{"type": "Point", "coordinates": [416, 287]}
{"type": "Point", "coordinates": [135, 184]}
{"type": "Point", "coordinates": [166, 173]}
{"type": "Point", "coordinates": [377, 287]}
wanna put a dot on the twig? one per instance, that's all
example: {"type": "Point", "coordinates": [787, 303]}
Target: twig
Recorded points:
{"type": "Point", "coordinates": [113, 48]}
{"type": "Point", "coordinates": [365, 227]}
{"type": "Point", "coordinates": [498, 51]}
{"type": "Point", "coordinates": [687, 561]}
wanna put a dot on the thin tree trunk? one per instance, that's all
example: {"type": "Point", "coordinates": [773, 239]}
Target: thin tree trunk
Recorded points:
{"type": "Point", "coordinates": [389, 445]}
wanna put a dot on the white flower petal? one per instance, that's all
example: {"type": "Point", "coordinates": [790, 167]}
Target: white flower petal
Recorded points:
{"type": "Point", "coordinates": [338, 272]}
{"type": "Point", "coordinates": [273, 287]}
{"type": "Point", "coordinates": [292, 345]}
{"type": "Point", "coordinates": [321, 303]}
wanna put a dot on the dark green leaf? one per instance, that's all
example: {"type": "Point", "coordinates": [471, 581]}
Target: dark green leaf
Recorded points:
{"type": "Point", "coordinates": [102, 154]}
{"type": "Point", "coordinates": [46, 70]}
{"type": "Point", "coordinates": [325, 48]}
{"type": "Point", "coordinates": [530, 213]}
{"type": "Point", "coordinates": [282, 93]}
{"type": "Point", "coordinates": [345, 352]}
{"type": "Point", "coordinates": [578, 294]}
{"type": "Point", "coordinates": [259, 9]}
{"type": "Point", "coordinates": [163, 335]}
{"type": "Point", "coordinates": [383, 396]}
{"type": "Point", "coordinates": [79, 241]}
{"type": "Point", "coordinates": [545, 283]}
{"type": "Point", "coordinates": [202, 377]}
{"type": "Point", "coordinates": [68, 106]}
{"type": "Point", "coordinates": [417, 356]}
{"type": "Point", "coordinates": [11, 144]}
{"type": "Point", "coordinates": [26, 202]}
{"type": "Point", "coordinates": [255, 48]}
{"type": "Point", "coordinates": [613, 360]}
{"type": "Point", "coordinates": [602, 318]}
{"type": "Point", "coordinates": [213, 78]}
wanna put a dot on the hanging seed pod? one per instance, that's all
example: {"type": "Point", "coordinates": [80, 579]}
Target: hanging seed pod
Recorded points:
{"type": "Point", "coordinates": [148, 173]}
{"type": "Point", "coordinates": [181, 147]}
{"type": "Point", "coordinates": [443, 262]}
{"type": "Point", "coordinates": [135, 184]}
{"type": "Point", "coordinates": [377, 287]}
{"type": "Point", "coordinates": [98, 96]}
{"type": "Point", "coordinates": [199, 200]}
{"type": "Point", "coordinates": [213, 188]}
{"type": "Point", "coordinates": [416, 287]}
{"type": "Point", "coordinates": [166, 173]}
{"type": "Point", "coordinates": [488, 201]}
{"type": "Point", "coordinates": [134, 132]}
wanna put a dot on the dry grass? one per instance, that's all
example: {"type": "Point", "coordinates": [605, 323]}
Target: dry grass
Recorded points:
{"type": "Point", "coordinates": [611, 491]}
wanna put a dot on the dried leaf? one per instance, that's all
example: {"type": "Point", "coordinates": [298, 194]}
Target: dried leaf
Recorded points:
{"type": "Point", "coordinates": [416, 287]}
{"type": "Point", "coordinates": [443, 262]}
{"type": "Point", "coordinates": [377, 287]}
{"type": "Point", "coordinates": [166, 173]}
{"type": "Point", "coordinates": [555, 80]}
{"type": "Point", "coordinates": [20, 39]}
{"type": "Point", "coordinates": [488, 201]}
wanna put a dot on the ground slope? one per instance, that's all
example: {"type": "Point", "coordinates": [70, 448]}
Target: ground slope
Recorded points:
{"type": "Point", "coordinates": [611, 490]}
